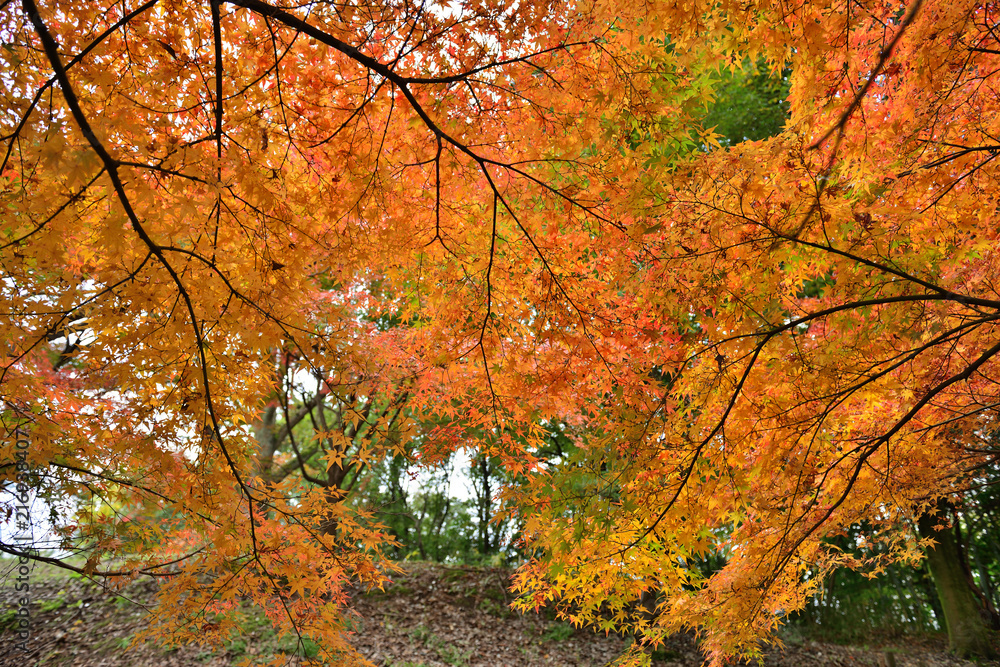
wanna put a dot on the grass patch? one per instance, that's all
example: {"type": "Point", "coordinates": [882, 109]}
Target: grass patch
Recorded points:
{"type": "Point", "coordinates": [450, 654]}
{"type": "Point", "coordinates": [664, 654]}
{"type": "Point", "coordinates": [57, 602]}
{"type": "Point", "coordinates": [558, 632]}
{"type": "Point", "coordinates": [255, 630]}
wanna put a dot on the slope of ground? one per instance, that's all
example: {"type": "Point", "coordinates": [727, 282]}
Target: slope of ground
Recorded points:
{"type": "Point", "coordinates": [430, 616]}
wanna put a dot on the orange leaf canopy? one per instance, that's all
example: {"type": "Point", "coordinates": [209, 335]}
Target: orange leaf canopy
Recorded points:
{"type": "Point", "coordinates": [509, 214]}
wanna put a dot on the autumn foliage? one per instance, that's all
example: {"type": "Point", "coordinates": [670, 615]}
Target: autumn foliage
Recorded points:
{"type": "Point", "coordinates": [464, 224]}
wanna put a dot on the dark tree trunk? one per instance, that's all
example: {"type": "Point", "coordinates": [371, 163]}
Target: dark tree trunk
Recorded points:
{"type": "Point", "coordinates": [485, 506]}
{"type": "Point", "coordinates": [968, 630]}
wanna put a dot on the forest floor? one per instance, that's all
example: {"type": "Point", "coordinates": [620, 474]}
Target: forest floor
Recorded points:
{"type": "Point", "coordinates": [430, 616]}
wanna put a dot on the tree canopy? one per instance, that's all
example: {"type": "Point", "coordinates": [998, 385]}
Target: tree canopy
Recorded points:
{"type": "Point", "coordinates": [243, 239]}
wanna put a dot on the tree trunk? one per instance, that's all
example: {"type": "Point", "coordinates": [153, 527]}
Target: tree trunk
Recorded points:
{"type": "Point", "coordinates": [968, 632]}
{"type": "Point", "coordinates": [485, 502]}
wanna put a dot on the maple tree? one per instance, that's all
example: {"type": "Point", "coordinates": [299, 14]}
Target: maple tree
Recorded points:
{"type": "Point", "coordinates": [839, 286]}
{"type": "Point", "coordinates": [495, 219]}
{"type": "Point", "coordinates": [213, 209]}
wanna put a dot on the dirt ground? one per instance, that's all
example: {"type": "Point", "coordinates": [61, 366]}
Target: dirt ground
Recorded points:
{"type": "Point", "coordinates": [430, 616]}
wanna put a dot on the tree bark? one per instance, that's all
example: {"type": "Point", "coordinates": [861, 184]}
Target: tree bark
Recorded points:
{"type": "Point", "coordinates": [968, 631]}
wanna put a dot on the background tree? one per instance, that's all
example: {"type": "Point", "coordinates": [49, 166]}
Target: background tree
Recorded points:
{"type": "Point", "coordinates": [751, 103]}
